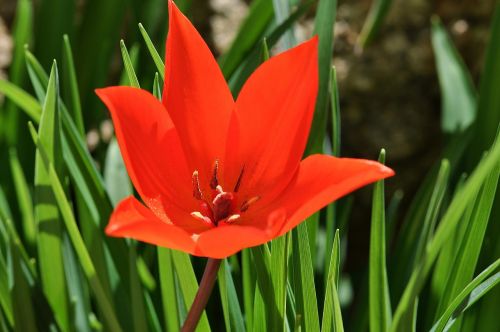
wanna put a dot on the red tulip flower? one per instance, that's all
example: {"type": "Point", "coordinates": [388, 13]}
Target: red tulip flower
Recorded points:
{"type": "Point", "coordinates": [217, 175]}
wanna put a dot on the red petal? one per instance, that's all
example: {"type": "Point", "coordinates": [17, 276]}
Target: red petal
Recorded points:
{"type": "Point", "coordinates": [195, 94]}
{"type": "Point", "coordinates": [132, 219]}
{"type": "Point", "coordinates": [226, 240]}
{"type": "Point", "coordinates": [273, 116]}
{"type": "Point", "coordinates": [150, 147]}
{"type": "Point", "coordinates": [321, 180]}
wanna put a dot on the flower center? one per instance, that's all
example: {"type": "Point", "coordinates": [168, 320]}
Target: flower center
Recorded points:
{"type": "Point", "coordinates": [219, 206]}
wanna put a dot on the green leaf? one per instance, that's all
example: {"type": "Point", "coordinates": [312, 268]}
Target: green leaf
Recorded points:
{"type": "Point", "coordinates": [265, 307]}
{"type": "Point", "coordinates": [168, 290]}
{"type": "Point", "coordinates": [22, 99]}
{"type": "Point", "coordinates": [77, 288]}
{"type": "Point", "coordinates": [279, 268]}
{"type": "Point", "coordinates": [47, 217]}
{"type": "Point", "coordinates": [248, 281]}
{"type": "Point", "coordinates": [380, 304]}
{"type": "Point", "coordinates": [230, 304]}
{"type": "Point", "coordinates": [433, 209]}
{"type": "Point", "coordinates": [250, 31]}
{"type": "Point", "coordinates": [488, 116]}
{"type": "Point", "coordinates": [323, 27]}
{"type": "Point", "coordinates": [157, 87]}
{"type": "Point", "coordinates": [24, 317]}
{"type": "Point", "coordinates": [5, 292]}
{"type": "Point", "coordinates": [129, 67]}
{"type": "Point", "coordinates": [445, 229]}
{"type": "Point", "coordinates": [188, 284]}
{"type": "Point", "coordinates": [307, 305]}
{"type": "Point", "coordinates": [24, 199]}
{"type": "Point", "coordinates": [331, 212]}
{"type": "Point", "coordinates": [116, 178]}
{"type": "Point", "coordinates": [254, 59]}
{"type": "Point", "coordinates": [467, 257]}
{"type": "Point", "coordinates": [458, 97]}
{"type": "Point", "coordinates": [376, 16]}
{"type": "Point", "coordinates": [335, 107]}
{"type": "Point", "coordinates": [86, 263]}
{"type": "Point", "coordinates": [136, 292]}
{"type": "Point", "coordinates": [160, 66]}
{"type": "Point", "coordinates": [21, 34]}
{"type": "Point", "coordinates": [468, 296]}
{"type": "Point", "coordinates": [101, 25]}
{"type": "Point", "coordinates": [70, 88]}
{"type": "Point", "coordinates": [332, 315]}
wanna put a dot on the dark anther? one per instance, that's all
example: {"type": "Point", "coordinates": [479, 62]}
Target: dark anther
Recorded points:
{"type": "Point", "coordinates": [214, 182]}
{"type": "Point", "coordinates": [238, 182]}
{"type": "Point", "coordinates": [246, 204]}
{"type": "Point", "coordinates": [196, 186]}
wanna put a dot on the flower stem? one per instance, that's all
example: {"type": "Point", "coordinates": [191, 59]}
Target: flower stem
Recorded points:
{"type": "Point", "coordinates": [201, 299]}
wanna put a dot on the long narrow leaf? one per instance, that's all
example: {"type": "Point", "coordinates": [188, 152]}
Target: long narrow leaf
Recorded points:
{"type": "Point", "coordinates": [380, 305]}
{"type": "Point", "coordinates": [468, 296]}
{"type": "Point", "coordinates": [46, 212]}
{"type": "Point", "coordinates": [76, 239]}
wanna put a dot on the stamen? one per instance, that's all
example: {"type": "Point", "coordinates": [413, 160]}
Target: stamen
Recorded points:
{"type": "Point", "coordinates": [214, 182]}
{"type": "Point", "coordinates": [232, 218]}
{"type": "Point", "coordinates": [238, 182]}
{"type": "Point", "coordinates": [196, 186]}
{"type": "Point", "coordinates": [248, 202]}
{"type": "Point", "coordinates": [219, 189]}
{"type": "Point", "coordinates": [200, 217]}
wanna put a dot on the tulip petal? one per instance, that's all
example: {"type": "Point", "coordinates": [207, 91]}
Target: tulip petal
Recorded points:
{"type": "Point", "coordinates": [151, 150]}
{"type": "Point", "coordinates": [195, 94]}
{"type": "Point", "coordinates": [131, 219]}
{"type": "Point", "coordinates": [321, 180]}
{"type": "Point", "coordinates": [272, 118]}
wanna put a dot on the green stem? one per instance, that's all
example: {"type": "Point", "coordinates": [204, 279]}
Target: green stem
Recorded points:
{"type": "Point", "coordinates": [201, 299]}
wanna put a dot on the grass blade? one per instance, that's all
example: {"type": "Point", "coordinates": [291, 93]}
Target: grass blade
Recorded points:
{"type": "Point", "coordinates": [24, 317]}
{"type": "Point", "coordinates": [136, 293]}
{"type": "Point", "coordinates": [281, 12]}
{"type": "Point", "coordinates": [188, 284]}
{"type": "Point", "coordinates": [116, 178]}
{"type": "Point", "coordinates": [470, 247]}
{"type": "Point", "coordinates": [376, 16]}
{"type": "Point", "coordinates": [22, 99]}
{"type": "Point", "coordinates": [468, 296]}
{"type": "Point", "coordinates": [168, 290]}
{"type": "Point", "coordinates": [76, 239]}
{"type": "Point", "coordinates": [254, 58]}
{"type": "Point", "coordinates": [24, 200]}
{"type": "Point", "coordinates": [332, 315]}
{"type": "Point", "coordinates": [279, 268]}
{"type": "Point", "coordinates": [70, 89]}
{"type": "Point", "coordinates": [380, 305]}
{"type": "Point", "coordinates": [445, 229]}
{"type": "Point", "coordinates": [129, 67]}
{"type": "Point", "coordinates": [488, 117]}
{"type": "Point", "coordinates": [306, 303]}
{"type": "Point", "coordinates": [433, 209]}
{"type": "Point", "coordinates": [46, 212]}
{"type": "Point", "coordinates": [458, 97]}
{"type": "Point", "coordinates": [323, 27]}
{"type": "Point", "coordinates": [249, 33]}
{"type": "Point", "coordinates": [230, 304]}
{"type": "Point", "coordinates": [160, 66]}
